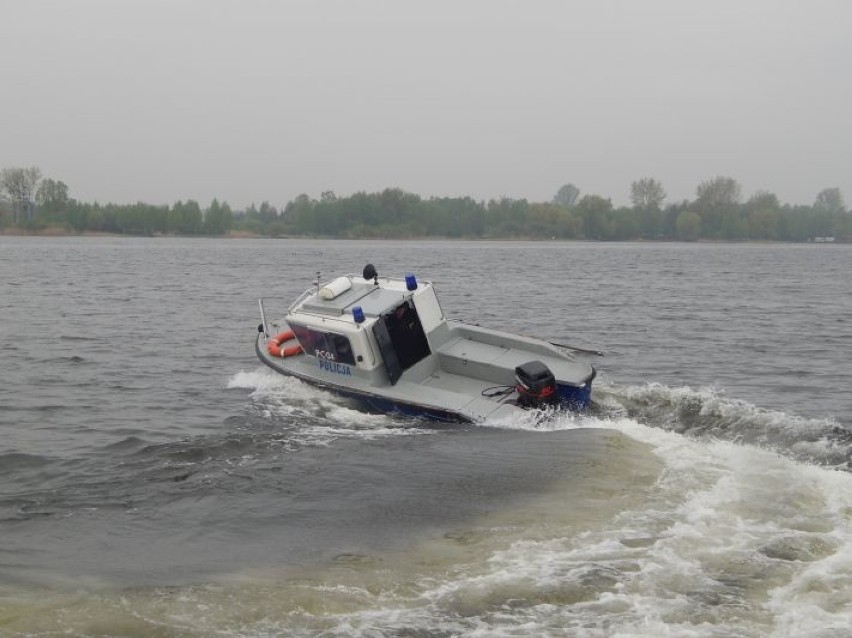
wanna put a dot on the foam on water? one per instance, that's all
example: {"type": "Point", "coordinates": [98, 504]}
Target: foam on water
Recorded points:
{"type": "Point", "coordinates": [537, 421]}
{"type": "Point", "coordinates": [264, 381]}
{"type": "Point", "coordinates": [314, 415]}
{"type": "Point", "coordinates": [707, 414]}
{"type": "Point", "coordinates": [731, 540]}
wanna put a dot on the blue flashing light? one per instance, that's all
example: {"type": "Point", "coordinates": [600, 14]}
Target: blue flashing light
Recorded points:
{"type": "Point", "coordinates": [410, 281]}
{"type": "Point", "coordinates": [358, 314]}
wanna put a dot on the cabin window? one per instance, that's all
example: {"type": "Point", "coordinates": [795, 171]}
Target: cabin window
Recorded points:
{"type": "Point", "coordinates": [327, 345]}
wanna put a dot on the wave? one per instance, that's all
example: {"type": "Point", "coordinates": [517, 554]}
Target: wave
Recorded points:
{"type": "Point", "coordinates": [701, 414]}
{"type": "Point", "coordinates": [130, 443]}
{"type": "Point", "coordinates": [20, 460]}
{"type": "Point", "coordinates": [707, 414]}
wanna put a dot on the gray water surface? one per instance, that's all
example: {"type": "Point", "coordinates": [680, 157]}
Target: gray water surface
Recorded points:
{"type": "Point", "coordinates": [143, 446]}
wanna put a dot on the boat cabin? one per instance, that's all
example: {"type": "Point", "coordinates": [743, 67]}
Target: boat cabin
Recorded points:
{"type": "Point", "coordinates": [367, 322]}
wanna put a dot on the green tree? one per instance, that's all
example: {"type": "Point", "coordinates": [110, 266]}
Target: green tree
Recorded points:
{"type": "Point", "coordinates": [793, 223]}
{"type": "Point", "coordinates": [507, 217]}
{"type": "Point", "coordinates": [398, 206]}
{"type": "Point", "coordinates": [185, 218]}
{"type": "Point", "coordinates": [452, 217]}
{"type": "Point", "coordinates": [763, 200]}
{"type": "Point", "coordinates": [844, 226]}
{"type": "Point", "coordinates": [688, 226]}
{"type": "Point", "coordinates": [550, 221]}
{"type": "Point", "coordinates": [668, 220]}
{"type": "Point", "coordinates": [569, 226]}
{"type": "Point", "coordinates": [763, 216]}
{"type": "Point", "coordinates": [595, 212]}
{"type": "Point", "coordinates": [327, 217]}
{"type": "Point", "coordinates": [5, 212]}
{"type": "Point", "coordinates": [716, 197]}
{"type": "Point", "coordinates": [542, 220]}
{"type": "Point", "coordinates": [131, 219]}
{"type": "Point", "coordinates": [301, 212]}
{"type": "Point", "coordinates": [267, 212]}
{"type": "Point", "coordinates": [763, 224]}
{"type": "Point", "coordinates": [218, 218]}
{"type": "Point", "coordinates": [734, 226]}
{"type": "Point", "coordinates": [363, 208]}
{"type": "Point", "coordinates": [624, 225]}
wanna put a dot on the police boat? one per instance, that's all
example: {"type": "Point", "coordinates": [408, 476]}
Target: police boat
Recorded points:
{"type": "Point", "coordinates": [387, 343]}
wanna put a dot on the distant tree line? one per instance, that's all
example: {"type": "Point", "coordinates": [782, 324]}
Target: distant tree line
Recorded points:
{"type": "Point", "coordinates": [718, 212]}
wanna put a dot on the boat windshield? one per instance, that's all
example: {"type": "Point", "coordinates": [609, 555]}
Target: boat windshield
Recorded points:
{"type": "Point", "coordinates": [327, 345]}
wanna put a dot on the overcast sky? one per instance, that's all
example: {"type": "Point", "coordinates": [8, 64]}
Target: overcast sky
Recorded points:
{"type": "Point", "coordinates": [160, 100]}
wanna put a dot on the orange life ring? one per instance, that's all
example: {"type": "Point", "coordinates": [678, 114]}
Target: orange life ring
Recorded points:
{"type": "Point", "coordinates": [273, 346]}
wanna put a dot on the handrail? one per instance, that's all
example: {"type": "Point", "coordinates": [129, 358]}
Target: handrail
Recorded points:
{"type": "Point", "coordinates": [263, 318]}
{"type": "Point", "coordinates": [300, 299]}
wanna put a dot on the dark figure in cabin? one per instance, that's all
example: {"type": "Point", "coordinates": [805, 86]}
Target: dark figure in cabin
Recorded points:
{"type": "Point", "coordinates": [407, 335]}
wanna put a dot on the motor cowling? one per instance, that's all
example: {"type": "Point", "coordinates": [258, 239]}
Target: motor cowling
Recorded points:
{"type": "Point", "coordinates": [536, 385]}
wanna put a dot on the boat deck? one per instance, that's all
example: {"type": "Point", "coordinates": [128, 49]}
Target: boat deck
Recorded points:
{"type": "Point", "coordinates": [496, 363]}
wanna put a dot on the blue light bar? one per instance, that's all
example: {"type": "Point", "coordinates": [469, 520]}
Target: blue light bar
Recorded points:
{"type": "Point", "coordinates": [410, 281]}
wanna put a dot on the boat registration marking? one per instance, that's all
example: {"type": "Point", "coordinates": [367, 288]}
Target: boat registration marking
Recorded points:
{"type": "Point", "coordinates": [333, 366]}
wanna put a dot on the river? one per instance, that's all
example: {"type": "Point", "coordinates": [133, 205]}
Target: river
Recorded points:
{"type": "Point", "coordinates": [157, 480]}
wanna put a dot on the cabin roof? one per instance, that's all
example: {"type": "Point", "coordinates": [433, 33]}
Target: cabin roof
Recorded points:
{"type": "Point", "coordinates": [374, 300]}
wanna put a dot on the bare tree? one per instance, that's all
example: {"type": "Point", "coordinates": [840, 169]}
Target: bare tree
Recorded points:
{"type": "Point", "coordinates": [20, 185]}
{"type": "Point", "coordinates": [647, 193]}
{"type": "Point", "coordinates": [719, 192]}
{"type": "Point", "coordinates": [52, 194]}
{"type": "Point", "coordinates": [829, 200]}
{"type": "Point", "coordinates": [566, 196]}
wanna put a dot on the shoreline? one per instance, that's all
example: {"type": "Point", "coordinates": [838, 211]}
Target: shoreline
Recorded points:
{"type": "Point", "coordinates": [52, 232]}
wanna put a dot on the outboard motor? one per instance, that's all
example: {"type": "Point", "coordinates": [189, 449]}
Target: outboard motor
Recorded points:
{"type": "Point", "coordinates": [536, 385]}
